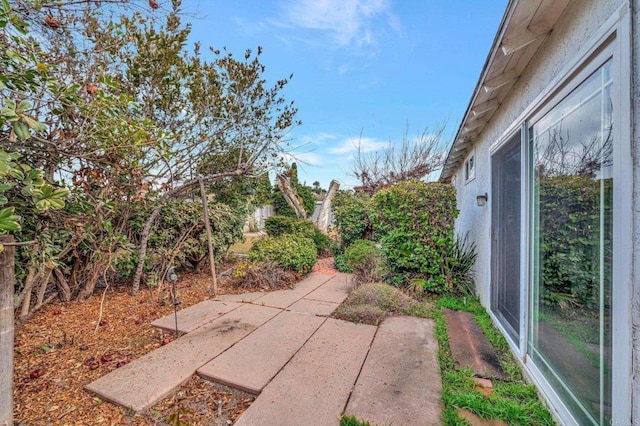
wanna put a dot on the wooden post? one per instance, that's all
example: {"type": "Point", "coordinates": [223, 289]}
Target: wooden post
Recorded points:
{"type": "Point", "coordinates": [205, 207]}
{"type": "Point", "coordinates": [6, 330]}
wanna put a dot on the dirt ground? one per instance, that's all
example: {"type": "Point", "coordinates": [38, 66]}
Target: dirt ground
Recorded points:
{"type": "Point", "coordinates": [66, 346]}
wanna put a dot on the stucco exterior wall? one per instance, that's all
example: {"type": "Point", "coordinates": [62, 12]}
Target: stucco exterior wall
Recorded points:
{"type": "Point", "coordinates": [579, 23]}
{"type": "Point", "coordinates": [635, 32]}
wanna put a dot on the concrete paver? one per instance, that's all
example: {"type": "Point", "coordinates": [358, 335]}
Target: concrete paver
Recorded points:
{"type": "Point", "coordinates": [470, 347]}
{"type": "Point", "coordinates": [335, 290]}
{"type": "Point", "coordinates": [314, 307]}
{"type": "Point", "coordinates": [284, 298]}
{"type": "Point", "coordinates": [195, 316]}
{"type": "Point", "coordinates": [400, 381]}
{"type": "Point", "coordinates": [242, 297]}
{"type": "Point", "coordinates": [251, 363]}
{"type": "Point", "coordinates": [313, 388]}
{"type": "Point", "coordinates": [143, 382]}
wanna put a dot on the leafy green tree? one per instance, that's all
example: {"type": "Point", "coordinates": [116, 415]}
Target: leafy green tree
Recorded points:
{"type": "Point", "coordinates": [130, 111]}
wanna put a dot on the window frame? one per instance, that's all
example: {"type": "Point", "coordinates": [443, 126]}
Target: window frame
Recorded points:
{"type": "Point", "coordinates": [470, 166]}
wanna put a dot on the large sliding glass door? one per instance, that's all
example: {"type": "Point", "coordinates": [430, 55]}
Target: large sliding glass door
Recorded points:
{"type": "Point", "coordinates": [571, 164]}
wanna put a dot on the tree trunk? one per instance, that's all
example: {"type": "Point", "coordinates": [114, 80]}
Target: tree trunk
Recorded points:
{"type": "Point", "coordinates": [322, 223]}
{"type": "Point", "coordinates": [213, 289]}
{"type": "Point", "coordinates": [291, 196]}
{"type": "Point", "coordinates": [24, 302]}
{"type": "Point", "coordinates": [7, 265]}
{"type": "Point", "coordinates": [144, 237]}
{"type": "Point", "coordinates": [90, 285]}
{"type": "Point", "coordinates": [43, 287]}
{"type": "Point", "coordinates": [63, 286]}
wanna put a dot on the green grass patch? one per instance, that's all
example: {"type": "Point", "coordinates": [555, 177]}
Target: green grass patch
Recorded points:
{"type": "Point", "coordinates": [515, 402]}
{"type": "Point", "coordinates": [353, 421]}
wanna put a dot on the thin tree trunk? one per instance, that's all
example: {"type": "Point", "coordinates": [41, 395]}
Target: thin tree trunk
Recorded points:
{"type": "Point", "coordinates": [213, 289]}
{"type": "Point", "coordinates": [322, 223]}
{"type": "Point", "coordinates": [291, 196]}
{"type": "Point", "coordinates": [7, 270]}
{"type": "Point", "coordinates": [43, 288]}
{"type": "Point", "coordinates": [146, 230]}
{"type": "Point", "coordinates": [63, 286]}
{"type": "Point", "coordinates": [24, 301]}
{"type": "Point", "coordinates": [86, 291]}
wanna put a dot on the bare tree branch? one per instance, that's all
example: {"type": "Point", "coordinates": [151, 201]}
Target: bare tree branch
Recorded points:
{"type": "Point", "coordinates": [414, 158]}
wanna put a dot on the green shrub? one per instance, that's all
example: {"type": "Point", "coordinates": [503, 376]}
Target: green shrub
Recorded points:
{"type": "Point", "coordinates": [279, 225]}
{"type": "Point", "coordinates": [363, 257]}
{"type": "Point", "coordinates": [290, 251]}
{"type": "Point", "coordinates": [351, 216]}
{"type": "Point", "coordinates": [340, 262]}
{"type": "Point", "coordinates": [179, 237]}
{"type": "Point", "coordinates": [414, 222]}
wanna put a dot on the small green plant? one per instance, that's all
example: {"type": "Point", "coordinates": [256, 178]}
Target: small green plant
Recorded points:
{"type": "Point", "coordinates": [363, 258]}
{"type": "Point", "coordinates": [353, 421]}
{"type": "Point", "coordinates": [457, 268]}
{"type": "Point", "coordinates": [340, 262]}
{"type": "Point", "coordinates": [290, 251]}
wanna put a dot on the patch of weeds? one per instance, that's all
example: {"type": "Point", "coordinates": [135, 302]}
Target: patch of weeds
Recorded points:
{"type": "Point", "coordinates": [365, 314]}
{"type": "Point", "coordinates": [353, 421]}
{"type": "Point", "coordinates": [421, 310]}
{"type": "Point", "coordinates": [370, 303]}
{"type": "Point", "coordinates": [515, 403]}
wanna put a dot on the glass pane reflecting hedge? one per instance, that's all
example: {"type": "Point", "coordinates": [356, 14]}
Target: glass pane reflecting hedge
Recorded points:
{"type": "Point", "coordinates": [570, 329]}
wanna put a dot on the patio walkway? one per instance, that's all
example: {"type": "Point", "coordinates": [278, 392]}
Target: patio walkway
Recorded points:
{"type": "Point", "coordinates": [305, 368]}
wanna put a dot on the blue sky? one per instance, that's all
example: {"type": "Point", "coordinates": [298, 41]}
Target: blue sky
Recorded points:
{"type": "Point", "coordinates": [363, 70]}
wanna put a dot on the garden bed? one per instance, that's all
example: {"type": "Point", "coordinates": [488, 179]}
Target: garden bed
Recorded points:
{"type": "Point", "coordinates": [66, 346]}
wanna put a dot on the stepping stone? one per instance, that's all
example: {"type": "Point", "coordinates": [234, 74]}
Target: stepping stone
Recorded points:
{"type": "Point", "coordinates": [335, 290]}
{"type": "Point", "coordinates": [284, 298]}
{"type": "Point", "coordinates": [145, 381]}
{"type": "Point", "coordinates": [252, 362]}
{"type": "Point", "coordinates": [313, 388]}
{"type": "Point", "coordinates": [400, 380]}
{"type": "Point", "coordinates": [474, 420]}
{"type": "Point", "coordinates": [314, 307]}
{"type": "Point", "coordinates": [194, 316]}
{"type": "Point", "coordinates": [470, 347]}
{"type": "Point", "coordinates": [241, 298]}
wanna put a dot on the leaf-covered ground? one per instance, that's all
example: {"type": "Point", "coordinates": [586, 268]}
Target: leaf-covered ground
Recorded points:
{"type": "Point", "coordinates": [66, 346]}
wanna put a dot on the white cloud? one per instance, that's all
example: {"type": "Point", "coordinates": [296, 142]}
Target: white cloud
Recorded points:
{"type": "Point", "coordinates": [343, 23]}
{"type": "Point", "coordinates": [362, 143]}
{"type": "Point", "coordinates": [317, 139]}
{"type": "Point", "coordinates": [308, 158]}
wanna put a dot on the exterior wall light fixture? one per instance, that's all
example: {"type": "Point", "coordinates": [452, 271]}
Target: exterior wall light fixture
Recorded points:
{"type": "Point", "coordinates": [482, 199]}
